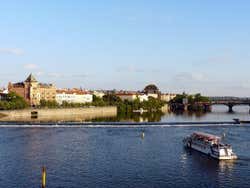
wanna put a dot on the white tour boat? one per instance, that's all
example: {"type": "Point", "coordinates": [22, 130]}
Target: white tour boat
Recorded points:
{"type": "Point", "coordinates": [209, 144]}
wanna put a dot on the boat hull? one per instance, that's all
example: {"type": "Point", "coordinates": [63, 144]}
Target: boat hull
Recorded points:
{"type": "Point", "coordinates": [207, 150]}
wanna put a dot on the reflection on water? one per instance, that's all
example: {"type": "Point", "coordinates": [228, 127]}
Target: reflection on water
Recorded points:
{"type": "Point", "coordinates": [218, 113]}
{"type": "Point", "coordinates": [226, 166]}
{"type": "Point", "coordinates": [206, 162]}
{"type": "Point", "coordinates": [211, 168]}
{"type": "Point", "coordinates": [133, 117]}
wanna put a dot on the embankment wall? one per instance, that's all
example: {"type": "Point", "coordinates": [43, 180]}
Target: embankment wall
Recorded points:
{"type": "Point", "coordinates": [59, 113]}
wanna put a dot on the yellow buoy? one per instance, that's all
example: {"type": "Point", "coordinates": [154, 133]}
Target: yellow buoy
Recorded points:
{"type": "Point", "coordinates": [43, 177]}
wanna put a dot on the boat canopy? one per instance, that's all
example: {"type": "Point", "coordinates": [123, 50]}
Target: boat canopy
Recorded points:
{"type": "Point", "coordinates": [206, 136]}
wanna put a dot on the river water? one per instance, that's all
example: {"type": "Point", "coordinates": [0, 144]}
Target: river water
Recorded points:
{"type": "Point", "coordinates": [116, 156]}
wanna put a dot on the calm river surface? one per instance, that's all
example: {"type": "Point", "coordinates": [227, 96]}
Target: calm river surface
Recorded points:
{"type": "Point", "coordinates": [119, 157]}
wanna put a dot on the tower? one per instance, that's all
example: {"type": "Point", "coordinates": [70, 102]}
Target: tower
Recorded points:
{"type": "Point", "coordinates": [32, 90]}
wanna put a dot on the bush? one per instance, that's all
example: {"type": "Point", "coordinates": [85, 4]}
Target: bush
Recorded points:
{"type": "Point", "coordinates": [195, 102]}
{"type": "Point", "coordinates": [12, 102]}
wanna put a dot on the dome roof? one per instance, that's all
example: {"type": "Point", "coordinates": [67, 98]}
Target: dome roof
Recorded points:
{"type": "Point", "coordinates": [151, 88]}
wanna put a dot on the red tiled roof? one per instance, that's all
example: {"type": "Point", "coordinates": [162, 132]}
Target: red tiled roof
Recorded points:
{"type": "Point", "coordinates": [126, 94]}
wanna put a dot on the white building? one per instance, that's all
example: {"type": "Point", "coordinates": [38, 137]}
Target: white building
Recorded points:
{"type": "Point", "coordinates": [131, 96]}
{"type": "Point", "coordinates": [142, 97]}
{"type": "Point", "coordinates": [154, 95]}
{"type": "Point", "coordinates": [5, 91]}
{"type": "Point", "coordinates": [99, 94]}
{"type": "Point", "coordinates": [167, 96]}
{"type": "Point", "coordinates": [73, 96]}
{"type": "Point", "coordinates": [3, 94]}
{"type": "Point", "coordinates": [127, 96]}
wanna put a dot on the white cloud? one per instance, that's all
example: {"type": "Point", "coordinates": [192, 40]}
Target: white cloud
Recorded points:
{"type": "Point", "coordinates": [245, 85]}
{"type": "Point", "coordinates": [13, 51]}
{"type": "Point", "coordinates": [30, 66]}
{"type": "Point", "coordinates": [69, 76]}
{"type": "Point", "coordinates": [56, 75]}
{"type": "Point", "coordinates": [130, 69]}
{"type": "Point", "coordinates": [225, 56]}
{"type": "Point", "coordinates": [79, 75]}
{"type": "Point", "coordinates": [186, 76]}
{"type": "Point", "coordinates": [39, 73]}
{"type": "Point", "coordinates": [224, 59]}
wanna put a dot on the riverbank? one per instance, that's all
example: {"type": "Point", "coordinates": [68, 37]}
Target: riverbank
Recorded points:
{"type": "Point", "coordinates": [2, 115]}
{"type": "Point", "coordinates": [58, 114]}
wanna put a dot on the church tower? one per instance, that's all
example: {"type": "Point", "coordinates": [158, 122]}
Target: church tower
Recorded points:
{"type": "Point", "coordinates": [32, 90]}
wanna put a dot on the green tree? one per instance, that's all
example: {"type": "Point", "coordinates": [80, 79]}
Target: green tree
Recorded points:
{"type": "Point", "coordinates": [13, 101]}
{"type": "Point", "coordinates": [112, 99]}
{"type": "Point", "coordinates": [194, 102]}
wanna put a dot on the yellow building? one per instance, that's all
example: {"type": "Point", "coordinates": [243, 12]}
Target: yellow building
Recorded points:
{"type": "Point", "coordinates": [167, 96]}
{"type": "Point", "coordinates": [131, 96]}
{"type": "Point", "coordinates": [33, 91]}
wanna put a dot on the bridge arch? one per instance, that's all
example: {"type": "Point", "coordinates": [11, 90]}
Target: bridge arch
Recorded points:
{"type": "Point", "coordinates": [230, 105]}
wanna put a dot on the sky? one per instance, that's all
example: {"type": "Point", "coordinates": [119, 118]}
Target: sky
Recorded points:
{"type": "Point", "coordinates": [192, 46]}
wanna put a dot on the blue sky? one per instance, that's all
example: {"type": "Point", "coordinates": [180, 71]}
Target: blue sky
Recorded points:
{"type": "Point", "coordinates": [192, 46]}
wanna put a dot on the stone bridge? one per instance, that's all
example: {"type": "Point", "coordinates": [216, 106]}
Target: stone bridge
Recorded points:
{"type": "Point", "coordinates": [229, 101]}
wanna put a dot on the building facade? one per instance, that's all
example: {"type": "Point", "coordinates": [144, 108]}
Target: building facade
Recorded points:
{"type": "Point", "coordinates": [3, 94]}
{"type": "Point", "coordinates": [33, 91]}
{"type": "Point", "coordinates": [73, 96]}
{"type": "Point", "coordinates": [131, 96]}
{"type": "Point", "coordinates": [167, 96]}
{"type": "Point", "coordinates": [142, 97]}
{"type": "Point", "coordinates": [99, 94]}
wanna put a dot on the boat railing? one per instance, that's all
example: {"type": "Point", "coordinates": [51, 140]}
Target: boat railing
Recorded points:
{"type": "Point", "coordinates": [224, 146]}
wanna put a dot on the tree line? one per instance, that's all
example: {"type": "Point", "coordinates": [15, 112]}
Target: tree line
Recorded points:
{"type": "Point", "coordinates": [13, 101]}
{"type": "Point", "coordinates": [195, 102]}
{"type": "Point", "coordinates": [152, 105]}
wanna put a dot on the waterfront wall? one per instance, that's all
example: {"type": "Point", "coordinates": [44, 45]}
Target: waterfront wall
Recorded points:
{"type": "Point", "coordinates": [64, 114]}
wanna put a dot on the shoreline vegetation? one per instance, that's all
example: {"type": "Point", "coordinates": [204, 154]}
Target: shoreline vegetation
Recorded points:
{"type": "Point", "coordinates": [190, 103]}
{"type": "Point", "coordinates": [194, 103]}
{"type": "Point", "coordinates": [152, 109]}
{"type": "Point", "coordinates": [123, 107]}
{"type": "Point", "coordinates": [15, 102]}
{"type": "Point", "coordinates": [12, 101]}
